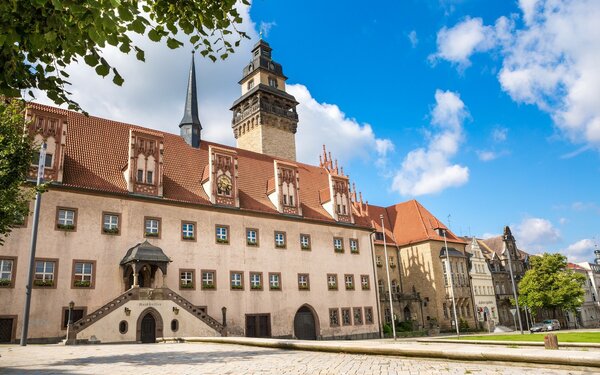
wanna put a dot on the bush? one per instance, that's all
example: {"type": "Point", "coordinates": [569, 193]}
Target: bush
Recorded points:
{"type": "Point", "coordinates": [387, 329]}
{"type": "Point", "coordinates": [463, 325]}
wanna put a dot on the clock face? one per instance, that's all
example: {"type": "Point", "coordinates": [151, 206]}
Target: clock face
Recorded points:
{"type": "Point", "coordinates": [224, 185]}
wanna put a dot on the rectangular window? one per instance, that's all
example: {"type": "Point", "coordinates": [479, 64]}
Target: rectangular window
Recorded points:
{"type": "Point", "coordinates": [222, 234]}
{"type": "Point", "coordinates": [392, 262]}
{"type": "Point", "coordinates": [188, 230]}
{"type": "Point", "coordinates": [334, 317]}
{"type": "Point", "coordinates": [378, 261]}
{"type": "Point", "coordinates": [346, 316]}
{"type": "Point", "coordinates": [250, 84]}
{"type": "Point", "coordinates": [149, 177]}
{"type": "Point", "coordinates": [187, 279]}
{"type": "Point", "coordinates": [251, 237]}
{"type": "Point", "coordinates": [256, 281]}
{"type": "Point", "coordinates": [83, 273]}
{"type": "Point", "coordinates": [272, 82]}
{"type": "Point", "coordinates": [332, 283]}
{"type": "Point", "coordinates": [209, 280]}
{"type": "Point", "coordinates": [76, 314]}
{"type": "Point", "coordinates": [358, 318]}
{"type": "Point", "coordinates": [303, 281]}
{"type": "Point", "coordinates": [110, 223]}
{"type": "Point", "coordinates": [152, 227]}
{"type": "Point", "coordinates": [45, 273]}
{"type": "Point", "coordinates": [237, 280]}
{"type": "Point", "coordinates": [369, 315]}
{"type": "Point", "coordinates": [305, 241]}
{"type": "Point", "coordinates": [140, 175]}
{"type": "Point", "coordinates": [364, 282]}
{"type": "Point", "coordinates": [7, 269]}
{"type": "Point", "coordinates": [274, 281]}
{"type": "Point", "coordinates": [280, 242]}
{"type": "Point", "coordinates": [338, 244]}
{"type": "Point", "coordinates": [66, 218]}
{"type": "Point", "coordinates": [379, 236]}
{"type": "Point", "coordinates": [47, 162]}
{"type": "Point", "coordinates": [354, 246]}
{"type": "Point", "coordinates": [349, 281]}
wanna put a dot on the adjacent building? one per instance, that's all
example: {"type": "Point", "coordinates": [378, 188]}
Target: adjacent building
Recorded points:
{"type": "Point", "coordinates": [482, 284]}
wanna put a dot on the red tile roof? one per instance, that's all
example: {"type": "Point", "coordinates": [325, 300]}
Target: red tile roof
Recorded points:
{"type": "Point", "coordinates": [97, 153]}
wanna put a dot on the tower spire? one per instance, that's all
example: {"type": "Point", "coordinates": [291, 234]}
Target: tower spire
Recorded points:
{"type": "Point", "coordinates": [189, 125]}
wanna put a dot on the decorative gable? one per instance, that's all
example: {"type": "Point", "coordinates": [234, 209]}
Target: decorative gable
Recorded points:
{"type": "Point", "coordinates": [144, 173]}
{"type": "Point", "coordinates": [284, 189]}
{"type": "Point", "coordinates": [222, 184]}
{"type": "Point", "coordinates": [51, 128]}
{"type": "Point", "coordinates": [335, 198]}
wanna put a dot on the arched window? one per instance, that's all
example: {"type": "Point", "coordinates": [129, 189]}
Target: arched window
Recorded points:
{"type": "Point", "coordinates": [174, 325]}
{"type": "Point", "coordinates": [123, 327]}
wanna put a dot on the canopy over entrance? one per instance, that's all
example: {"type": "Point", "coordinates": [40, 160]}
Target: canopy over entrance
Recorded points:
{"type": "Point", "coordinates": [147, 258]}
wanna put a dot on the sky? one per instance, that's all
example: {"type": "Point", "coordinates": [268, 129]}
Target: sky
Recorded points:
{"type": "Point", "coordinates": [488, 113]}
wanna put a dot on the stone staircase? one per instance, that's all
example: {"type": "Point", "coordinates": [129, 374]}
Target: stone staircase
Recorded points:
{"type": "Point", "coordinates": [142, 294]}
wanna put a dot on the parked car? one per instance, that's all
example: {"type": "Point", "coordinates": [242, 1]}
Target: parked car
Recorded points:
{"type": "Point", "coordinates": [538, 327]}
{"type": "Point", "coordinates": [552, 324]}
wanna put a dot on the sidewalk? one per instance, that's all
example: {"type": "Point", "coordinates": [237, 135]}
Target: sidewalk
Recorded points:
{"type": "Point", "coordinates": [450, 351]}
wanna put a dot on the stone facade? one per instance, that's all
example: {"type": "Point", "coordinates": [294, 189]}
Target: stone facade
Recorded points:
{"type": "Point", "coordinates": [484, 296]}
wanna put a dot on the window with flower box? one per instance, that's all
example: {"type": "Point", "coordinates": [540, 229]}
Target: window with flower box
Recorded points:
{"type": "Point", "coordinates": [110, 223]}
{"type": "Point", "coordinates": [346, 316]}
{"type": "Point", "coordinates": [237, 280]}
{"type": "Point", "coordinates": [354, 246]}
{"type": "Point", "coordinates": [222, 234]}
{"type": "Point", "coordinates": [256, 281]}
{"type": "Point", "coordinates": [209, 279]}
{"type": "Point", "coordinates": [251, 237]}
{"type": "Point", "coordinates": [83, 274]}
{"type": "Point", "coordinates": [274, 281]}
{"type": "Point", "coordinates": [332, 283]}
{"type": "Point", "coordinates": [188, 230]}
{"type": "Point", "coordinates": [364, 282]}
{"type": "Point", "coordinates": [152, 227]}
{"type": "Point", "coordinates": [349, 281]}
{"type": "Point", "coordinates": [66, 218]}
{"type": "Point", "coordinates": [334, 317]}
{"type": "Point", "coordinates": [358, 317]}
{"type": "Point", "coordinates": [45, 273]}
{"type": "Point", "coordinates": [305, 241]}
{"type": "Point", "coordinates": [7, 272]}
{"type": "Point", "coordinates": [303, 281]}
{"type": "Point", "coordinates": [187, 279]}
{"type": "Point", "coordinates": [280, 241]}
{"type": "Point", "coordinates": [369, 315]}
{"type": "Point", "coordinates": [338, 244]}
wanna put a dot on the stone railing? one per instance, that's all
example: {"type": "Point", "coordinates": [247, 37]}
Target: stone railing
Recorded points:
{"type": "Point", "coordinates": [89, 319]}
{"type": "Point", "coordinates": [194, 310]}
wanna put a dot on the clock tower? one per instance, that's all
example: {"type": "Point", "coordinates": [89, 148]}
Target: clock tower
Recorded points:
{"type": "Point", "coordinates": [264, 117]}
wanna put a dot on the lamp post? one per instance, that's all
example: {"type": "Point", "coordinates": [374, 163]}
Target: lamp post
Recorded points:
{"type": "Point", "coordinates": [448, 272]}
{"type": "Point", "coordinates": [69, 320]}
{"type": "Point", "coordinates": [387, 271]}
{"type": "Point", "coordinates": [34, 231]}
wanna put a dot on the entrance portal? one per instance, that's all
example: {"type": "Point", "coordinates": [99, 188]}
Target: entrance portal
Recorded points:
{"type": "Point", "coordinates": [148, 334]}
{"type": "Point", "coordinates": [6, 330]}
{"type": "Point", "coordinates": [304, 324]}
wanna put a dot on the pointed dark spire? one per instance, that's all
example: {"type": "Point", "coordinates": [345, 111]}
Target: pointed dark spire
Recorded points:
{"type": "Point", "coordinates": [190, 126]}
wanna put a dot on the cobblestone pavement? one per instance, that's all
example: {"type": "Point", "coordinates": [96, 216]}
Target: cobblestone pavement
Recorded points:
{"type": "Point", "coordinates": [200, 358]}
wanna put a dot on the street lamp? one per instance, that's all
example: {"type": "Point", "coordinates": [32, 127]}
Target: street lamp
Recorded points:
{"type": "Point", "coordinates": [387, 271]}
{"type": "Point", "coordinates": [448, 272]}
{"type": "Point", "coordinates": [70, 320]}
{"type": "Point", "coordinates": [514, 287]}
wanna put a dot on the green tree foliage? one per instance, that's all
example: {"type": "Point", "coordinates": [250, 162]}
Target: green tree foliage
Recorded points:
{"type": "Point", "coordinates": [16, 152]}
{"type": "Point", "coordinates": [39, 38]}
{"type": "Point", "coordinates": [549, 284]}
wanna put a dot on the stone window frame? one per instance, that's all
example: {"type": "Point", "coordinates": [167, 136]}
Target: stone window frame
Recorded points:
{"type": "Point", "coordinates": [340, 249]}
{"type": "Point", "coordinates": [360, 312]}
{"type": "Point", "coordinates": [260, 278]}
{"type": "Point", "coordinates": [302, 247]}
{"type": "Point", "coordinates": [357, 250]}
{"type": "Point", "coordinates": [194, 237]}
{"type": "Point", "coordinates": [75, 217]}
{"type": "Point", "coordinates": [256, 243]}
{"type": "Point", "coordinates": [227, 239]}
{"type": "Point", "coordinates": [282, 233]}
{"type": "Point", "coordinates": [362, 285]}
{"type": "Point", "coordinates": [351, 287]}
{"type": "Point", "coordinates": [349, 310]}
{"type": "Point", "coordinates": [103, 230]}
{"type": "Point", "coordinates": [207, 286]}
{"type": "Point", "coordinates": [66, 308]}
{"type": "Point", "coordinates": [193, 272]}
{"type": "Point", "coordinates": [74, 276]}
{"type": "Point", "coordinates": [334, 287]}
{"type": "Point", "coordinates": [159, 233]}
{"type": "Point", "coordinates": [336, 311]}
{"type": "Point", "coordinates": [372, 320]}
{"type": "Point", "coordinates": [54, 277]}
{"type": "Point", "coordinates": [241, 286]}
{"type": "Point", "coordinates": [13, 271]}
{"type": "Point", "coordinates": [279, 278]}
{"type": "Point", "coordinates": [307, 287]}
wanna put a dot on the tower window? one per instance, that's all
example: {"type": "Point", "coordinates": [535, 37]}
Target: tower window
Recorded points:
{"type": "Point", "coordinates": [272, 82]}
{"type": "Point", "coordinates": [250, 84]}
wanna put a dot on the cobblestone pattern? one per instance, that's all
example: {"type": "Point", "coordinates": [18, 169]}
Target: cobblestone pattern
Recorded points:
{"type": "Point", "coordinates": [229, 359]}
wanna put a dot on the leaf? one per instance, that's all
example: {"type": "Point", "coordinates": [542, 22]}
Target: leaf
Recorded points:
{"type": "Point", "coordinates": [102, 70]}
{"type": "Point", "coordinates": [154, 36]}
{"type": "Point", "coordinates": [117, 79]}
{"type": "Point", "coordinates": [139, 54]}
{"type": "Point", "coordinates": [173, 43]}
{"type": "Point", "coordinates": [91, 60]}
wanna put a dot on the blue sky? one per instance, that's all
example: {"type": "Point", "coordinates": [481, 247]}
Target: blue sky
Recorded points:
{"type": "Point", "coordinates": [485, 111]}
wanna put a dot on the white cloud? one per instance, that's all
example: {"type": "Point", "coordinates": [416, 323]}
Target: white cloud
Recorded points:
{"type": "Point", "coordinates": [428, 170]}
{"type": "Point", "coordinates": [412, 37]}
{"type": "Point", "coordinates": [487, 155]}
{"type": "Point", "coordinates": [265, 28]}
{"type": "Point", "coordinates": [536, 234]}
{"type": "Point", "coordinates": [500, 134]}
{"type": "Point", "coordinates": [579, 251]}
{"type": "Point", "coordinates": [489, 235]}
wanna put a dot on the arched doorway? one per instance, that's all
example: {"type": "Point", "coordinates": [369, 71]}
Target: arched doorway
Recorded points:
{"type": "Point", "coordinates": [305, 327]}
{"type": "Point", "coordinates": [148, 329]}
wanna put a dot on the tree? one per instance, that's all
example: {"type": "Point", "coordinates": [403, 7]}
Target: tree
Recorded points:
{"type": "Point", "coordinates": [549, 284]}
{"type": "Point", "coordinates": [39, 38]}
{"type": "Point", "coordinates": [16, 152]}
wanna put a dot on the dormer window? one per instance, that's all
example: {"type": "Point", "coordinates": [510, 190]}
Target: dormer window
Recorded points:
{"type": "Point", "coordinates": [272, 82]}
{"type": "Point", "coordinates": [47, 162]}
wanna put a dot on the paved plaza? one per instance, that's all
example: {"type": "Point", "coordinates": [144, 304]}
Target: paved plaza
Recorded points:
{"type": "Point", "coordinates": [208, 358]}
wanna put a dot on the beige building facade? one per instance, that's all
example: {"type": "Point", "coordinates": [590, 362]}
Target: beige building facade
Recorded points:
{"type": "Point", "coordinates": [484, 296]}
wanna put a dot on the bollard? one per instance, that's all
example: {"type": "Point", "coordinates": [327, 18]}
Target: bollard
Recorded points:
{"type": "Point", "coordinates": [551, 341]}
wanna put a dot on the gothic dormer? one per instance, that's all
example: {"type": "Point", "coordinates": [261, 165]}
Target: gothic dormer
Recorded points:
{"type": "Point", "coordinates": [264, 117]}
{"type": "Point", "coordinates": [144, 173]}
{"type": "Point", "coordinates": [510, 244]}
{"type": "Point", "coordinates": [221, 186]}
{"type": "Point", "coordinates": [284, 191]}
{"type": "Point", "coordinates": [189, 127]}
{"type": "Point", "coordinates": [335, 198]}
{"type": "Point", "coordinates": [49, 128]}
